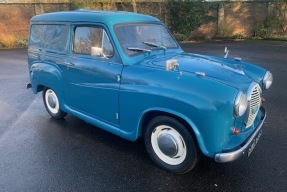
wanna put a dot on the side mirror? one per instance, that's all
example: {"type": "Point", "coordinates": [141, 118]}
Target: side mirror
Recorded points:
{"type": "Point", "coordinates": [96, 51]}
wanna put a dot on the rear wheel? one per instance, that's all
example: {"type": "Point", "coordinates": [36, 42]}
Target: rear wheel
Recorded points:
{"type": "Point", "coordinates": [52, 104]}
{"type": "Point", "coordinates": [170, 145]}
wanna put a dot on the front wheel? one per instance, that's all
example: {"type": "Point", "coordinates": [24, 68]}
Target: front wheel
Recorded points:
{"type": "Point", "coordinates": [52, 104]}
{"type": "Point", "coordinates": [170, 145]}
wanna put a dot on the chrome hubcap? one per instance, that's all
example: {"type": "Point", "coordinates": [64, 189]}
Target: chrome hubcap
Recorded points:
{"type": "Point", "coordinates": [167, 144]}
{"type": "Point", "coordinates": [52, 101]}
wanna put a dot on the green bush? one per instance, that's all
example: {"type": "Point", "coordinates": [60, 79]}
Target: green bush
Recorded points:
{"type": "Point", "coordinates": [180, 37]}
{"type": "Point", "coordinates": [22, 43]}
{"type": "Point", "coordinates": [186, 16]}
{"type": "Point", "coordinates": [283, 38]}
{"type": "Point", "coordinates": [238, 36]}
{"type": "Point", "coordinates": [261, 32]}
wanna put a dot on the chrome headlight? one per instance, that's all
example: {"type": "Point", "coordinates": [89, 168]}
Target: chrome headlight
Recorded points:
{"type": "Point", "coordinates": [240, 104]}
{"type": "Point", "coordinates": [267, 80]}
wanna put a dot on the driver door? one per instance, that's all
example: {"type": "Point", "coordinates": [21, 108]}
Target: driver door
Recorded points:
{"type": "Point", "coordinates": [91, 76]}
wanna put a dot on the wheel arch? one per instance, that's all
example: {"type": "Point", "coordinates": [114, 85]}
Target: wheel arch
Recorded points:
{"type": "Point", "coordinates": [187, 122]}
{"type": "Point", "coordinates": [45, 75]}
{"type": "Point", "coordinates": [40, 88]}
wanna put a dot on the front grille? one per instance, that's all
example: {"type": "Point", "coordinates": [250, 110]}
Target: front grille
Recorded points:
{"type": "Point", "coordinates": [254, 103]}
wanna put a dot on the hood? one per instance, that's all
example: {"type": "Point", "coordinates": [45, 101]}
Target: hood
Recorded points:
{"type": "Point", "coordinates": [219, 69]}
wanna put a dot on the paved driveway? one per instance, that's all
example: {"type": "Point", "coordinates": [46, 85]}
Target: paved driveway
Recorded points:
{"type": "Point", "coordinates": [38, 153]}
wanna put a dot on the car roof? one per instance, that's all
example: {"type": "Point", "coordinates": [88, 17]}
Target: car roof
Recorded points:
{"type": "Point", "coordinates": [83, 15]}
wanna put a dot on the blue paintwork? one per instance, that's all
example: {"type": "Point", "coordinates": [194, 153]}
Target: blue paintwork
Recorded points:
{"type": "Point", "coordinates": [91, 88]}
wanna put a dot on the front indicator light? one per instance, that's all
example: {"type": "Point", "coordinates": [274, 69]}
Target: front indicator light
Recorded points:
{"type": "Point", "coordinates": [262, 100]}
{"type": "Point", "coordinates": [235, 131]}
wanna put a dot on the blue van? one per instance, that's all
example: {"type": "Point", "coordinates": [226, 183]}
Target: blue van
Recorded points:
{"type": "Point", "coordinates": [125, 73]}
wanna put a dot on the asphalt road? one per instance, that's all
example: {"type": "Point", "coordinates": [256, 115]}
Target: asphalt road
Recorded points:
{"type": "Point", "coordinates": [38, 153]}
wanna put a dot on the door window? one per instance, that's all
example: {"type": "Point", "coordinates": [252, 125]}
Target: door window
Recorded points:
{"type": "Point", "coordinates": [92, 41]}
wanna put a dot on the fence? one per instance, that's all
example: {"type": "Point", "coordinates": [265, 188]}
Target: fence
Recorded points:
{"type": "Point", "coordinates": [190, 19]}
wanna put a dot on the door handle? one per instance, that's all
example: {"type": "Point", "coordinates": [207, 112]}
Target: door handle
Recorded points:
{"type": "Point", "coordinates": [69, 64]}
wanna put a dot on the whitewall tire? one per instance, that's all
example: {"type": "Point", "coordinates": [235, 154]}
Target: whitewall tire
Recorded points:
{"type": "Point", "coordinates": [52, 104]}
{"type": "Point", "coordinates": [170, 145]}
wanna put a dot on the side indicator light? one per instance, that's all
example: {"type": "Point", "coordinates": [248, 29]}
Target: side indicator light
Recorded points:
{"type": "Point", "coordinates": [262, 100]}
{"type": "Point", "coordinates": [235, 131]}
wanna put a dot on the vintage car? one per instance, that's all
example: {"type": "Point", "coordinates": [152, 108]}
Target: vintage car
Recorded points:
{"type": "Point", "coordinates": [125, 73]}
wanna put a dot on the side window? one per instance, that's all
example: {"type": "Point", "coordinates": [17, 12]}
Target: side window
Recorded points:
{"type": "Point", "coordinates": [52, 37]}
{"type": "Point", "coordinates": [92, 41]}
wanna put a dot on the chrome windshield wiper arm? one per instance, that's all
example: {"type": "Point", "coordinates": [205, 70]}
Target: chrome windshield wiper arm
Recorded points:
{"type": "Point", "coordinates": [139, 49]}
{"type": "Point", "coordinates": [154, 45]}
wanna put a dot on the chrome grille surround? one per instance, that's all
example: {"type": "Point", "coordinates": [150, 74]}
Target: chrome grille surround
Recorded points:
{"type": "Point", "coordinates": [254, 103]}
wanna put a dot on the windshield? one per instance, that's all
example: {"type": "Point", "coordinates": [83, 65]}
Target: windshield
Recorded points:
{"type": "Point", "coordinates": [144, 37]}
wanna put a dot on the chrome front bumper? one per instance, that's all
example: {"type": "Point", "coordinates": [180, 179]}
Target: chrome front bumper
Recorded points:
{"type": "Point", "coordinates": [247, 149]}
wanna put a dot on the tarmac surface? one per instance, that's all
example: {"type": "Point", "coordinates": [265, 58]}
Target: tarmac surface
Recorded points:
{"type": "Point", "coordinates": [38, 153]}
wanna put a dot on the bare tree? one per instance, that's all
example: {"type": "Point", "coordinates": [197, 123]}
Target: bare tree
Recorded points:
{"type": "Point", "coordinates": [134, 3]}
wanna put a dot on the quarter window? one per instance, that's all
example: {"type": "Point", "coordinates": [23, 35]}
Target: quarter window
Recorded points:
{"type": "Point", "coordinates": [51, 37]}
{"type": "Point", "coordinates": [92, 41]}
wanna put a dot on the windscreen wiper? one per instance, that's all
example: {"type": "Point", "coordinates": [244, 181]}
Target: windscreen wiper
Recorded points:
{"type": "Point", "coordinates": [154, 45]}
{"type": "Point", "coordinates": [139, 49]}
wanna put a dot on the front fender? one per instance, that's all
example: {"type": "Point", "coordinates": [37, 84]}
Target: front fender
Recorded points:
{"type": "Point", "coordinates": [175, 114]}
{"type": "Point", "coordinates": [254, 72]}
{"type": "Point", "coordinates": [206, 105]}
